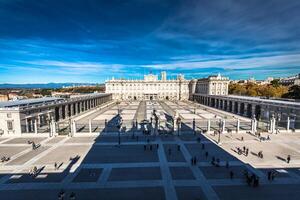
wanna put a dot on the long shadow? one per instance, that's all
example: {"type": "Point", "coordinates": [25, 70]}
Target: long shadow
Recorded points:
{"type": "Point", "coordinates": [87, 178]}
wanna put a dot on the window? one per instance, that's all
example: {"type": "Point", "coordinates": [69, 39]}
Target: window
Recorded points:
{"type": "Point", "coordinates": [10, 125]}
{"type": "Point", "coordinates": [8, 115]}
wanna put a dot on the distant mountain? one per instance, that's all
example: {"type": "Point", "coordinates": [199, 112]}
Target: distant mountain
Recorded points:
{"type": "Point", "coordinates": [44, 85]}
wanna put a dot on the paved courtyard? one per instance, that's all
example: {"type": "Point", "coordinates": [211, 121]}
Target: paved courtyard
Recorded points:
{"type": "Point", "coordinates": [152, 167]}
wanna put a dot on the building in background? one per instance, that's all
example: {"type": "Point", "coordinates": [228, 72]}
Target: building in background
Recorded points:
{"type": "Point", "coordinates": [292, 80]}
{"type": "Point", "coordinates": [149, 88]}
{"type": "Point", "coordinates": [213, 85]}
{"type": "Point", "coordinates": [3, 97]}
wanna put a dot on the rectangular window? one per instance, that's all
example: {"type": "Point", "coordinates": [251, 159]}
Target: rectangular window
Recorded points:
{"type": "Point", "coordinates": [10, 125]}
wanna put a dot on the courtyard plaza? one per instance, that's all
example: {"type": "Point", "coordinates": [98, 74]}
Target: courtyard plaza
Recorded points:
{"type": "Point", "coordinates": [151, 166]}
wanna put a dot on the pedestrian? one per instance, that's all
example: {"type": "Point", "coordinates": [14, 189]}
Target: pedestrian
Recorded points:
{"type": "Point", "coordinates": [268, 138]}
{"type": "Point", "coordinates": [157, 145]}
{"type": "Point", "coordinates": [231, 174]}
{"type": "Point", "coordinates": [244, 149]}
{"type": "Point", "coordinates": [72, 196]}
{"type": "Point", "coordinates": [288, 159]}
{"type": "Point", "coordinates": [269, 175]}
{"type": "Point", "coordinates": [242, 138]}
{"type": "Point", "coordinates": [247, 151]}
{"type": "Point", "coordinates": [206, 154]}
{"type": "Point", "coordinates": [55, 166]}
{"type": "Point", "coordinates": [272, 175]}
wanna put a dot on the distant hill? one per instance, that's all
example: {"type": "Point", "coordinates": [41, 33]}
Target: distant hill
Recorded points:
{"type": "Point", "coordinates": [44, 85]}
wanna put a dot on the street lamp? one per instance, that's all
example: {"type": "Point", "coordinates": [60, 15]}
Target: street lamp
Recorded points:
{"type": "Point", "coordinates": [178, 121]}
{"type": "Point", "coordinates": [220, 126]}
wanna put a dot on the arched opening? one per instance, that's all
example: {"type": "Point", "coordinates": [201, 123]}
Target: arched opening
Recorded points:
{"type": "Point", "coordinates": [242, 109]}
{"type": "Point", "coordinates": [134, 98]}
{"type": "Point", "coordinates": [230, 106]}
{"type": "Point", "coordinates": [167, 97]}
{"type": "Point", "coordinates": [235, 107]}
{"type": "Point", "coordinates": [257, 111]}
{"type": "Point", "coordinates": [151, 98]}
{"type": "Point", "coordinates": [225, 105]}
{"type": "Point", "coordinates": [249, 110]}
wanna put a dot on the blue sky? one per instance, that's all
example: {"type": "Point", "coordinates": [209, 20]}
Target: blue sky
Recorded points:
{"type": "Point", "coordinates": [93, 40]}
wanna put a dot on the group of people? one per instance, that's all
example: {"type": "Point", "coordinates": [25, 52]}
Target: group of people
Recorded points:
{"type": "Point", "coordinates": [243, 150]}
{"type": "Point", "coordinates": [62, 193]}
{"type": "Point", "coordinates": [271, 175]}
{"type": "Point", "coordinates": [5, 159]}
{"type": "Point", "coordinates": [34, 146]}
{"type": "Point", "coordinates": [252, 180]}
{"type": "Point", "coordinates": [34, 171]}
{"type": "Point", "coordinates": [194, 160]}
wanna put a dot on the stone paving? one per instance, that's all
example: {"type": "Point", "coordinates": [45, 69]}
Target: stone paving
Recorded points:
{"type": "Point", "coordinates": [151, 167]}
{"type": "Point", "coordinates": [101, 166]}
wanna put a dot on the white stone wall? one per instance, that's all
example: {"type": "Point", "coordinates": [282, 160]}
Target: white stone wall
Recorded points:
{"type": "Point", "coordinates": [214, 85]}
{"type": "Point", "coordinates": [143, 89]}
{"type": "Point", "coordinates": [12, 115]}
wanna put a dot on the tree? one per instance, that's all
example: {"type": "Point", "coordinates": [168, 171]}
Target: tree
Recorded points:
{"type": "Point", "coordinates": [275, 83]}
{"type": "Point", "coordinates": [293, 93]}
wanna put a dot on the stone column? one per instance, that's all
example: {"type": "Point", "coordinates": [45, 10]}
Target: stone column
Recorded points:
{"type": "Point", "coordinates": [74, 127]}
{"type": "Point", "coordinates": [60, 112]}
{"type": "Point", "coordinates": [245, 109]}
{"type": "Point", "coordinates": [232, 106]}
{"type": "Point", "coordinates": [90, 126]}
{"type": "Point", "coordinates": [26, 125]}
{"type": "Point", "coordinates": [288, 124]}
{"type": "Point", "coordinates": [223, 125]}
{"type": "Point", "coordinates": [208, 125]}
{"type": "Point", "coordinates": [223, 105]}
{"type": "Point", "coordinates": [239, 108]}
{"type": "Point", "coordinates": [35, 126]}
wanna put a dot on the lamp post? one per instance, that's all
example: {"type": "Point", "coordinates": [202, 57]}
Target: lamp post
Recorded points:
{"type": "Point", "coordinates": [178, 121]}
{"type": "Point", "coordinates": [219, 136]}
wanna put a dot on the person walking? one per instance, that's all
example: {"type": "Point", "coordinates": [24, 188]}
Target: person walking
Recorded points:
{"type": "Point", "coordinates": [231, 174]}
{"type": "Point", "coordinates": [288, 159]}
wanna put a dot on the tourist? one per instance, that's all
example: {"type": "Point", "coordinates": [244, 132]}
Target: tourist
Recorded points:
{"type": "Point", "coordinates": [55, 166]}
{"type": "Point", "coordinates": [242, 138]}
{"type": "Point", "coordinates": [269, 175]}
{"type": "Point", "coordinates": [72, 196]}
{"type": "Point", "coordinates": [288, 159]}
{"type": "Point", "coordinates": [227, 164]}
{"type": "Point", "coordinates": [231, 174]}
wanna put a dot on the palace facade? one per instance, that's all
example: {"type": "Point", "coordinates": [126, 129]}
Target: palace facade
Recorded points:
{"type": "Point", "coordinates": [150, 88]}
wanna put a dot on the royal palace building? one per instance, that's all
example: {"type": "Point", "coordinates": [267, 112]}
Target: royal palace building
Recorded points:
{"type": "Point", "coordinates": [150, 88]}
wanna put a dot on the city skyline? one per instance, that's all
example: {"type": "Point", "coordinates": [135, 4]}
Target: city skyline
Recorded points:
{"type": "Point", "coordinates": [91, 41]}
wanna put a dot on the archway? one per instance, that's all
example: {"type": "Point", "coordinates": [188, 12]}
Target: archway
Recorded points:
{"type": "Point", "coordinates": [257, 111]}
{"type": "Point", "coordinates": [242, 109]}
{"type": "Point", "coordinates": [249, 110]}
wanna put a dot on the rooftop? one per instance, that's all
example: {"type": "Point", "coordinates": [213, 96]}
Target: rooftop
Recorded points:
{"type": "Point", "coordinates": [25, 102]}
